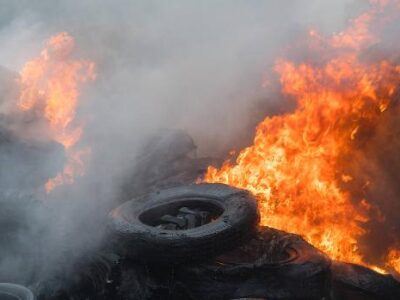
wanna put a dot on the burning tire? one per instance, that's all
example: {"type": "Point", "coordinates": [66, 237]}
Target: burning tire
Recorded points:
{"type": "Point", "coordinates": [10, 291]}
{"type": "Point", "coordinates": [190, 222]}
{"type": "Point", "coordinates": [352, 282]}
{"type": "Point", "coordinates": [273, 265]}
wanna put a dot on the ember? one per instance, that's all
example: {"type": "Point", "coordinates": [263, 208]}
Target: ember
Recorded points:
{"type": "Point", "coordinates": [296, 166]}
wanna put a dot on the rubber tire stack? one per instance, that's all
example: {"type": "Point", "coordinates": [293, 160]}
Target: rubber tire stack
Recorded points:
{"type": "Point", "coordinates": [137, 240]}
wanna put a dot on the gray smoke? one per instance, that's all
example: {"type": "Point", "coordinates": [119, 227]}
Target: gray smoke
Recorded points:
{"type": "Point", "coordinates": [193, 65]}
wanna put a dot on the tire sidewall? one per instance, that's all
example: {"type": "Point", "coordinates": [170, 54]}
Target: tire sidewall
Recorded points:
{"type": "Point", "coordinates": [239, 214]}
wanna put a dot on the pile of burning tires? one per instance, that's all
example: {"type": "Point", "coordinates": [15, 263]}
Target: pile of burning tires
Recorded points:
{"type": "Point", "coordinates": [202, 241]}
{"type": "Point", "coordinates": [173, 239]}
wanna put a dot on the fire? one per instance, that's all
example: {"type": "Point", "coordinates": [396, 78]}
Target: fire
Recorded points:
{"type": "Point", "coordinates": [73, 167]}
{"type": "Point", "coordinates": [394, 259]}
{"type": "Point", "coordinates": [49, 87]}
{"type": "Point", "coordinates": [296, 165]}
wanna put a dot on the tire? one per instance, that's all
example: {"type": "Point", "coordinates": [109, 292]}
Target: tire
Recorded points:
{"type": "Point", "coordinates": [301, 272]}
{"type": "Point", "coordinates": [10, 291]}
{"type": "Point", "coordinates": [137, 237]}
{"type": "Point", "coordinates": [87, 278]}
{"type": "Point", "coordinates": [352, 282]}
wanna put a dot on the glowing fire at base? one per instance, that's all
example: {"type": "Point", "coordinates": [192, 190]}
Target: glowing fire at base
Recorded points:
{"type": "Point", "coordinates": [294, 165]}
{"type": "Point", "coordinates": [393, 259]}
{"type": "Point", "coordinates": [49, 86]}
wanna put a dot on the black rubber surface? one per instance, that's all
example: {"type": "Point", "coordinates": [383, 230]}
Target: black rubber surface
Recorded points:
{"type": "Point", "coordinates": [237, 222]}
{"type": "Point", "coordinates": [353, 282]}
{"type": "Point", "coordinates": [10, 291]}
{"type": "Point", "coordinates": [303, 273]}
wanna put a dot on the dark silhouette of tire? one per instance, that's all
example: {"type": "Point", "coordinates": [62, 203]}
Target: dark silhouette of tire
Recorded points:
{"type": "Point", "coordinates": [354, 282]}
{"type": "Point", "coordinates": [132, 223]}
{"type": "Point", "coordinates": [302, 273]}
{"type": "Point", "coordinates": [10, 291]}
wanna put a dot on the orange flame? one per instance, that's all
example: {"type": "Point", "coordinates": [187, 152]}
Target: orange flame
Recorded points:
{"type": "Point", "coordinates": [294, 165]}
{"type": "Point", "coordinates": [49, 85]}
{"type": "Point", "coordinates": [393, 259]}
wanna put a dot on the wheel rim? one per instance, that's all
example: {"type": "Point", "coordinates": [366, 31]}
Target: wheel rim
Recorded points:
{"type": "Point", "coordinates": [181, 214]}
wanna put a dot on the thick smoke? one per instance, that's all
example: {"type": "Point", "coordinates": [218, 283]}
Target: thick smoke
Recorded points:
{"type": "Point", "coordinates": [194, 65]}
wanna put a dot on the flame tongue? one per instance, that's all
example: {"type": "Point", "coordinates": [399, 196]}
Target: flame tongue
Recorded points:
{"type": "Point", "coordinates": [49, 86]}
{"type": "Point", "coordinates": [393, 259]}
{"type": "Point", "coordinates": [295, 166]}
